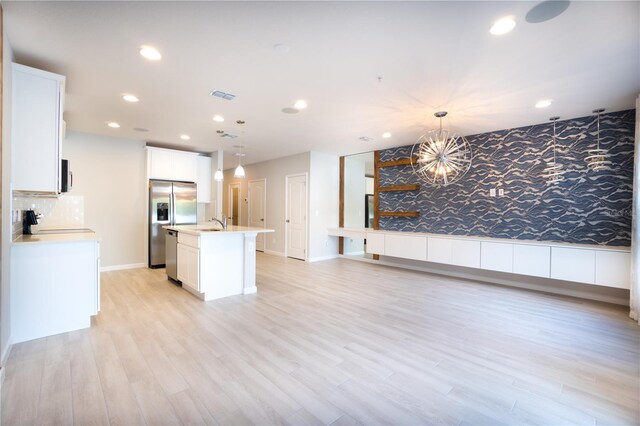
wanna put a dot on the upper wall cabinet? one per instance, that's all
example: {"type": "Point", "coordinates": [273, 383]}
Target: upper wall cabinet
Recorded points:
{"type": "Point", "coordinates": [169, 164]}
{"type": "Point", "coordinates": [204, 179]}
{"type": "Point", "coordinates": [36, 129]}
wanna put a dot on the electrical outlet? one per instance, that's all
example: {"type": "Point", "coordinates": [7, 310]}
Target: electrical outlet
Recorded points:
{"type": "Point", "coordinates": [492, 192]}
{"type": "Point", "coordinates": [501, 192]}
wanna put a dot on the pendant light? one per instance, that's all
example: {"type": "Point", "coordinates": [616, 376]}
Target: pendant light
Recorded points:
{"type": "Point", "coordinates": [553, 173]}
{"type": "Point", "coordinates": [443, 157]}
{"type": "Point", "coordinates": [239, 172]}
{"type": "Point", "coordinates": [598, 158]}
{"type": "Point", "coordinates": [218, 176]}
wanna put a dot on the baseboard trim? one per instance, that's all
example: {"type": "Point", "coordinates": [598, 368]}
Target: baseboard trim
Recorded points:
{"type": "Point", "coordinates": [511, 283]}
{"type": "Point", "coordinates": [321, 258]}
{"type": "Point", "coordinates": [250, 290]}
{"type": "Point", "coordinates": [122, 267]}
{"type": "Point", "coordinates": [3, 361]}
{"type": "Point", "coordinates": [274, 253]}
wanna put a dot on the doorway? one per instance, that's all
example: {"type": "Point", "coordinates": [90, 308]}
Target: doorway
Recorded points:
{"type": "Point", "coordinates": [234, 214]}
{"type": "Point", "coordinates": [258, 209]}
{"type": "Point", "coordinates": [296, 216]}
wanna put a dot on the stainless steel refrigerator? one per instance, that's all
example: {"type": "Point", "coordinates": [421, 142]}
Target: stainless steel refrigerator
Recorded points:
{"type": "Point", "coordinates": [170, 203]}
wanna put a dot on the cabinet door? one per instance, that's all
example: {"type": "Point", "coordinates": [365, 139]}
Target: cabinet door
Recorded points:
{"type": "Point", "coordinates": [496, 256]}
{"type": "Point", "coordinates": [439, 250]}
{"type": "Point", "coordinates": [465, 253]}
{"type": "Point", "coordinates": [36, 129]}
{"type": "Point", "coordinates": [532, 260]}
{"type": "Point", "coordinates": [613, 268]}
{"type": "Point", "coordinates": [571, 264]}
{"type": "Point", "coordinates": [405, 246]}
{"type": "Point", "coordinates": [184, 166]}
{"type": "Point", "coordinates": [189, 266]}
{"type": "Point", "coordinates": [161, 164]}
{"type": "Point", "coordinates": [375, 243]}
{"type": "Point", "coordinates": [204, 179]}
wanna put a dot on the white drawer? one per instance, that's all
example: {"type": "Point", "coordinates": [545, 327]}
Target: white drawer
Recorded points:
{"type": "Point", "coordinates": [189, 240]}
{"type": "Point", "coordinates": [465, 253]}
{"type": "Point", "coordinates": [439, 250]}
{"type": "Point", "coordinates": [613, 268]}
{"type": "Point", "coordinates": [532, 260]}
{"type": "Point", "coordinates": [405, 246]}
{"type": "Point", "coordinates": [573, 264]}
{"type": "Point", "coordinates": [375, 243]}
{"type": "Point", "coordinates": [496, 256]}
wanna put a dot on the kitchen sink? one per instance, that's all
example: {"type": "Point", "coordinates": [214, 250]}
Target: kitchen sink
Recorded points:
{"type": "Point", "coordinates": [211, 230]}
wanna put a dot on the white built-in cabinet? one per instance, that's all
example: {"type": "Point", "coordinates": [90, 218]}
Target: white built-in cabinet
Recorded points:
{"type": "Point", "coordinates": [606, 266]}
{"type": "Point", "coordinates": [203, 180]}
{"type": "Point", "coordinates": [171, 164]}
{"type": "Point", "coordinates": [188, 261]}
{"type": "Point", "coordinates": [55, 287]}
{"type": "Point", "coordinates": [36, 129]}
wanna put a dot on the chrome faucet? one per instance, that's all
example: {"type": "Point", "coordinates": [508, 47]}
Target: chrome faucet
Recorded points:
{"type": "Point", "coordinates": [222, 222]}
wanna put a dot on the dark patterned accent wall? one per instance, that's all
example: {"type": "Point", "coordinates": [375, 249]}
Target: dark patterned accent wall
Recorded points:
{"type": "Point", "coordinates": [588, 207]}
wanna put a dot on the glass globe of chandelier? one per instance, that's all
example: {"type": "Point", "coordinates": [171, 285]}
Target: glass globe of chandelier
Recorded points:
{"type": "Point", "coordinates": [598, 158]}
{"type": "Point", "coordinates": [442, 157]}
{"type": "Point", "coordinates": [553, 173]}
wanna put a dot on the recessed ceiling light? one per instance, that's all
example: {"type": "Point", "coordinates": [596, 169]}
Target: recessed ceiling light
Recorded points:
{"type": "Point", "coordinates": [150, 53]}
{"type": "Point", "coordinates": [130, 98]}
{"type": "Point", "coordinates": [543, 103]}
{"type": "Point", "coordinates": [503, 25]}
{"type": "Point", "coordinates": [300, 104]}
{"type": "Point", "coordinates": [185, 137]}
{"type": "Point", "coordinates": [386, 135]}
{"type": "Point", "coordinates": [218, 118]}
{"type": "Point", "coordinates": [113, 124]}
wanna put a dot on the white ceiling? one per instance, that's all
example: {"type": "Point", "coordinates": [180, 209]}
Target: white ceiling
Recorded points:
{"type": "Point", "coordinates": [431, 56]}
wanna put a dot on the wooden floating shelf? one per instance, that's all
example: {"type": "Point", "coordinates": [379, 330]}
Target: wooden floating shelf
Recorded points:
{"type": "Point", "coordinates": [399, 188]}
{"type": "Point", "coordinates": [401, 162]}
{"type": "Point", "coordinates": [400, 214]}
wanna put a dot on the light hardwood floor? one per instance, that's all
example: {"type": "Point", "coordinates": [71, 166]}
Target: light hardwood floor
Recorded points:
{"type": "Point", "coordinates": [336, 342]}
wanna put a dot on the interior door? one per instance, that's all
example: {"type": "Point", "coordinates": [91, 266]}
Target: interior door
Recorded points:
{"type": "Point", "coordinates": [257, 209]}
{"type": "Point", "coordinates": [234, 204]}
{"type": "Point", "coordinates": [296, 221]}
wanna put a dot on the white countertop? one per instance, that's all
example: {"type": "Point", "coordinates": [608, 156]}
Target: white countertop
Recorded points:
{"type": "Point", "coordinates": [205, 229]}
{"type": "Point", "coordinates": [56, 238]}
{"type": "Point", "coordinates": [363, 231]}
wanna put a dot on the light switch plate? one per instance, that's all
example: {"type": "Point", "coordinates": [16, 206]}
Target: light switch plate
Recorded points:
{"type": "Point", "coordinates": [501, 192]}
{"type": "Point", "coordinates": [492, 192]}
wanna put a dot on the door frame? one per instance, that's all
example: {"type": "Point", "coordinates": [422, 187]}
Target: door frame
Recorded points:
{"type": "Point", "coordinates": [286, 213]}
{"type": "Point", "coordinates": [264, 207]}
{"type": "Point", "coordinates": [230, 202]}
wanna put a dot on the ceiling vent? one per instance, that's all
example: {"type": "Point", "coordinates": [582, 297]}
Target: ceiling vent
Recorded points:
{"type": "Point", "coordinates": [228, 136]}
{"type": "Point", "coordinates": [222, 95]}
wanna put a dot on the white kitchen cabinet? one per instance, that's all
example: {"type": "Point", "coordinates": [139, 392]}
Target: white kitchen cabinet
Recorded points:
{"type": "Point", "coordinates": [55, 287]}
{"type": "Point", "coordinates": [375, 243]}
{"type": "Point", "coordinates": [572, 264]}
{"type": "Point", "coordinates": [613, 268]}
{"type": "Point", "coordinates": [496, 256]}
{"type": "Point", "coordinates": [203, 180]}
{"type": "Point", "coordinates": [36, 129]}
{"type": "Point", "coordinates": [439, 250]}
{"type": "Point", "coordinates": [188, 262]}
{"type": "Point", "coordinates": [405, 246]}
{"type": "Point", "coordinates": [532, 260]}
{"type": "Point", "coordinates": [169, 164]}
{"type": "Point", "coordinates": [465, 253]}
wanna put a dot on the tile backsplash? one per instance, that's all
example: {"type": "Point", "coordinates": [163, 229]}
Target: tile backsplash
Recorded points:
{"type": "Point", "coordinates": [66, 211]}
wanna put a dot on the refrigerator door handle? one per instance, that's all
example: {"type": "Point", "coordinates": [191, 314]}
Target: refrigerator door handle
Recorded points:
{"type": "Point", "coordinates": [173, 208]}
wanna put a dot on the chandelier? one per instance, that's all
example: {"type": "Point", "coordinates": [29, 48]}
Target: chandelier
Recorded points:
{"type": "Point", "coordinates": [442, 157]}
{"type": "Point", "coordinates": [598, 158]}
{"type": "Point", "coordinates": [553, 173]}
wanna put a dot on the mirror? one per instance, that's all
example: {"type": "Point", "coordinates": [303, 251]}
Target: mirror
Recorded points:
{"type": "Point", "coordinates": [358, 207]}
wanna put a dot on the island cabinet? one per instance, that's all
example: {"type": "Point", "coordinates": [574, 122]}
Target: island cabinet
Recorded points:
{"type": "Point", "coordinates": [36, 129]}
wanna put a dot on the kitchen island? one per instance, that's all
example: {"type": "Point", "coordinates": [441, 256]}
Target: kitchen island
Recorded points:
{"type": "Point", "coordinates": [214, 262]}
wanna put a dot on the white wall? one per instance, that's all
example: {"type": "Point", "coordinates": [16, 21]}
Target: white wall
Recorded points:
{"type": "Point", "coordinates": [324, 204]}
{"type": "Point", "coordinates": [5, 228]}
{"type": "Point", "coordinates": [274, 172]}
{"type": "Point", "coordinates": [109, 173]}
{"type": "Point", "coordinates": [354, 192]}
